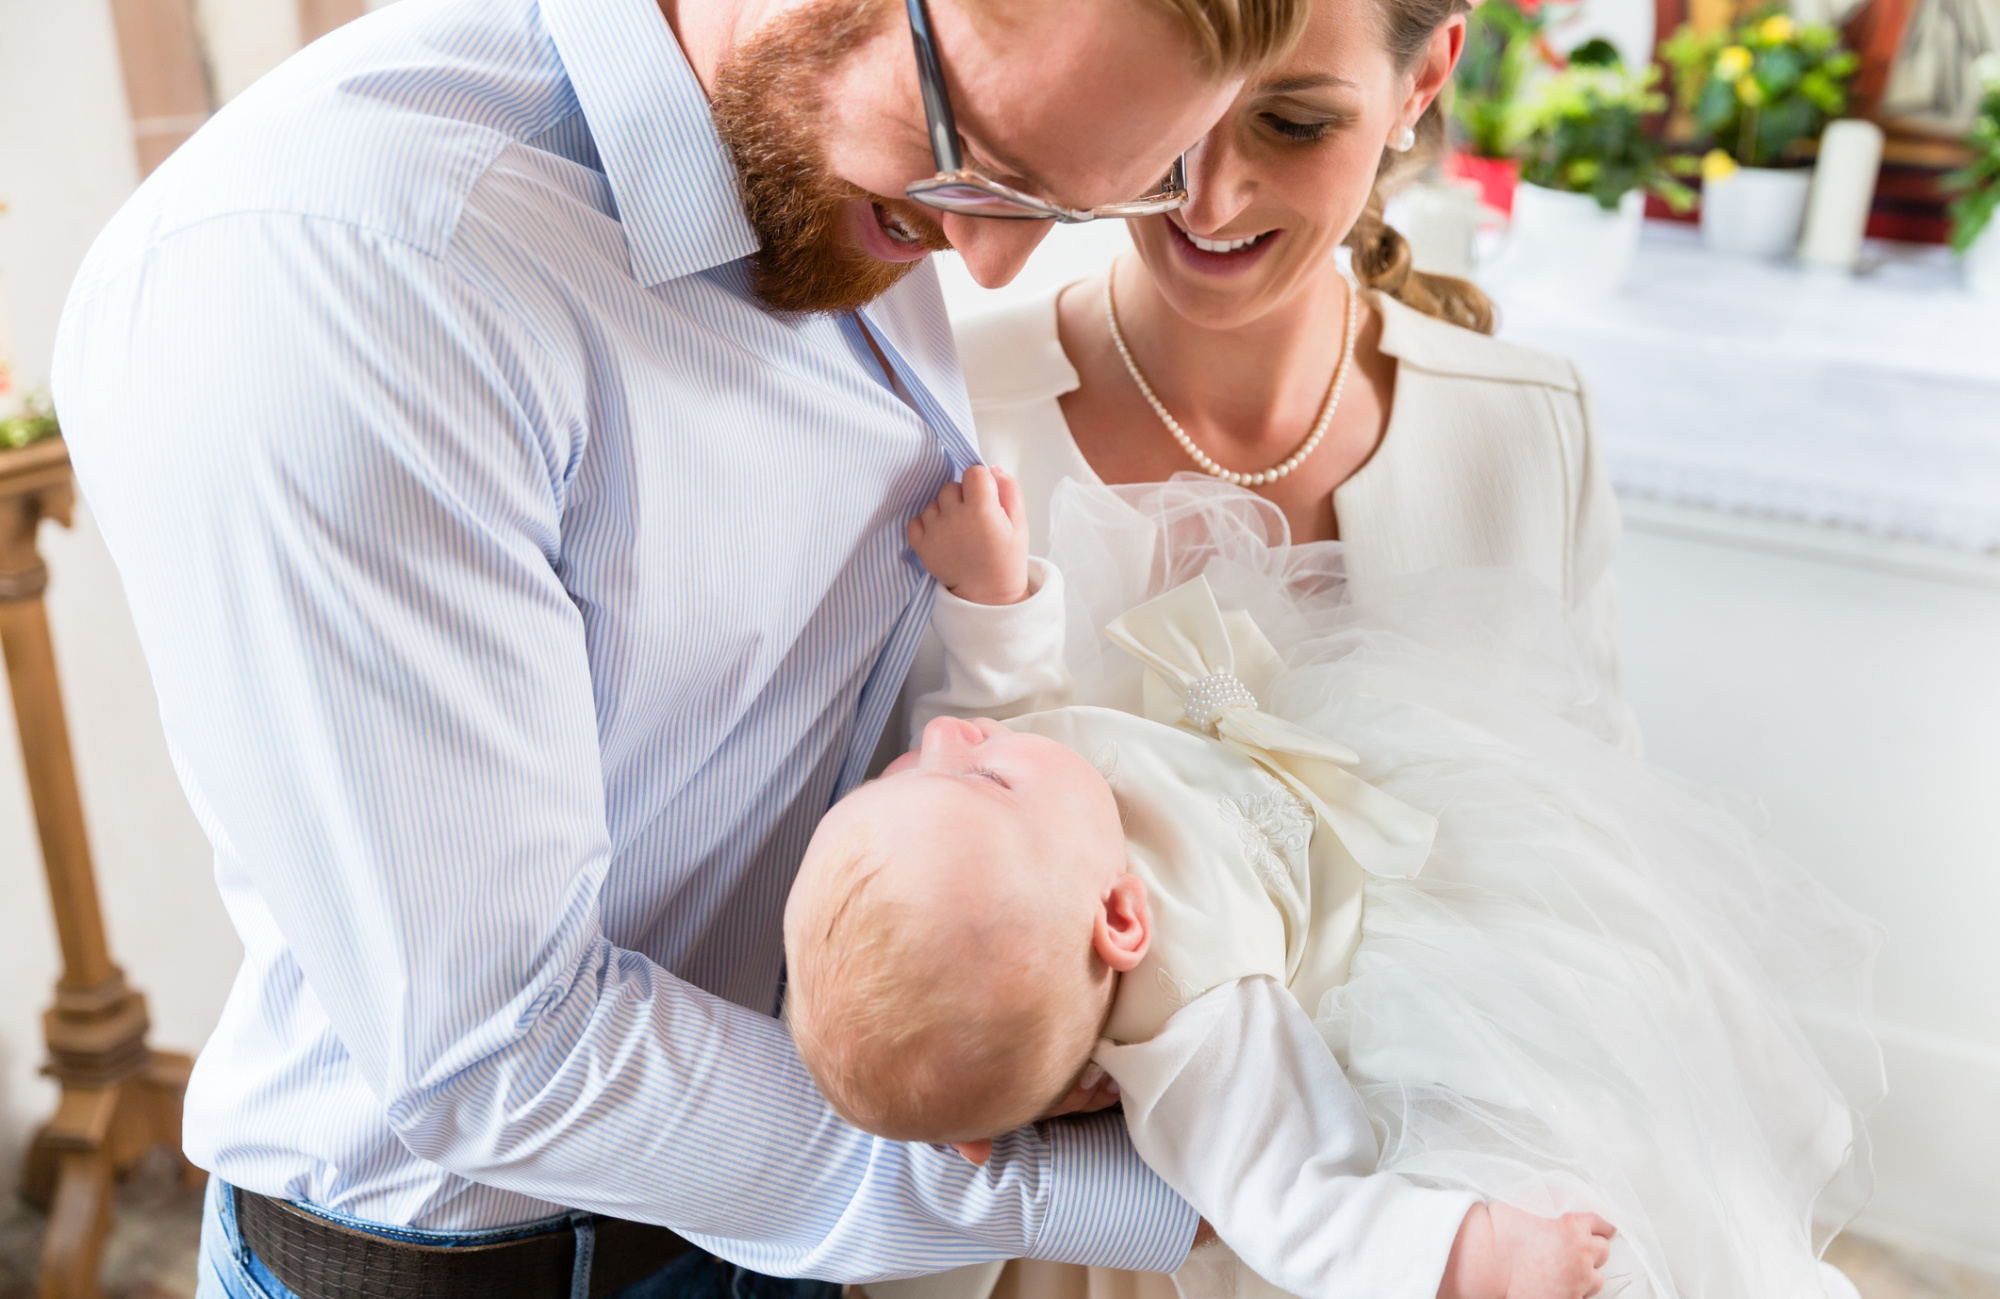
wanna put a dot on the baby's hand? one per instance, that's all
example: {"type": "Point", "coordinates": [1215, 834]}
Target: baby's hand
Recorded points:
{"type": "Point", "coordinates": [1095, 1090]}
{"type": "Point", "coordinates": [974, 538]}
{"type": "Point", "coordinates": [1505, 1253]}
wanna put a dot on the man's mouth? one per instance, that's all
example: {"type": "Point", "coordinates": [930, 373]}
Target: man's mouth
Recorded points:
{"type": "Point", "coordinates": [895, 227]}
{"type": "Point", "coordinates": [888, 235]}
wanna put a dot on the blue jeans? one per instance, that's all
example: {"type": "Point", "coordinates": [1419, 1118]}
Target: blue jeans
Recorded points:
{"type": "Point", "coordinates": [228, 1270]}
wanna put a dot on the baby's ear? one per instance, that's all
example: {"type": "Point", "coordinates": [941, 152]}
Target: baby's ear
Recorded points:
{"type": "Point", "coordinates": [1123, 929]}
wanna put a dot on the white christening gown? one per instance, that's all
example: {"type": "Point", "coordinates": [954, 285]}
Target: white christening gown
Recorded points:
{"type": "Point", "coordinates": [1602, 989]}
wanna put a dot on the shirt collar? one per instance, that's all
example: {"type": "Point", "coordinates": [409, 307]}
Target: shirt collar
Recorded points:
{"type": "Point", "coordinates": [670, 173]}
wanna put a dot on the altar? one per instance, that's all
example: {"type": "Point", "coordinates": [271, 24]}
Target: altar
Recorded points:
{"type": "Point", "coordinates": [1867, 402]}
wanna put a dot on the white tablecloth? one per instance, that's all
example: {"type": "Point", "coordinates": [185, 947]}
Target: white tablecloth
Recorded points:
{"type": "Point", "coordinates": [1868, 401]}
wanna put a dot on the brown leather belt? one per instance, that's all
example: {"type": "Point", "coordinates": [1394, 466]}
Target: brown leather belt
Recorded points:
{"type": "Point", "coordinates": [317, 1259]}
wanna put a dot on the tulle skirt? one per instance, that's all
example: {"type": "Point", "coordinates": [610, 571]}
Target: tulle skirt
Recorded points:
{"type": "Point", "coordinates": [1606, 990]}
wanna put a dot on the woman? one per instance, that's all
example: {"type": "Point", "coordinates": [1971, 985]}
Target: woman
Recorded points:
{"type": "Point", "coordinates": [1379, 413]}
{"type": "Point", "coordinates": [1440, 446]}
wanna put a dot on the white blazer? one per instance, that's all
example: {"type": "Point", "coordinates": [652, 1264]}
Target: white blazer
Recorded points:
{"type": "Point", "coordinates": [1491, 459]}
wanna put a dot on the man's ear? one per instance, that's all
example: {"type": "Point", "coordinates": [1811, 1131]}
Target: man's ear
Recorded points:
{"type": "Point", "coordinates": [1123, 928]}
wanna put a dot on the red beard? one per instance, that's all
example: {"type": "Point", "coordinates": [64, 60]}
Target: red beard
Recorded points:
{"type": "Point", "coordinates": [768, 97]}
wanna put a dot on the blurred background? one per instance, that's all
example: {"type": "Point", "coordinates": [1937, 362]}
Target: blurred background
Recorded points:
{"type": "Point", "coordinates": [1798, 377]}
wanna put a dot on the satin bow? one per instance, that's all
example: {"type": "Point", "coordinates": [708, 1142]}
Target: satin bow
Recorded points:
{"type": "Point", "coordinates": [1198, 660]}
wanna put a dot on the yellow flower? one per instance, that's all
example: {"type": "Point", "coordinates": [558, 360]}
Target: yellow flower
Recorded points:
{"type": "Point", "coordinates": [1716, 167]}
{"type": "Point", "coordinates": [1732, 63]}
{"type": "Point", "coordinates": [1750, 92]}
{"type": "Point", "coordinates": [1777, 29]}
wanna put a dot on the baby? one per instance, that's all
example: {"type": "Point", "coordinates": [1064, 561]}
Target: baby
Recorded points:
{"type": "Point", "coordinates": [977, 933]}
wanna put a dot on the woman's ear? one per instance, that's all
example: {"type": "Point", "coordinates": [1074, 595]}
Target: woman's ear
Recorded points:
{"type": "Point", "coordinates": [1433, 73]}
{"type": "Point", "coordinates": [1123, 929]}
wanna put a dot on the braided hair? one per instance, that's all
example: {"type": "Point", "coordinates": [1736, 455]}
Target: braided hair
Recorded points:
{"type": "Point", "coordinates": [1382, 258]}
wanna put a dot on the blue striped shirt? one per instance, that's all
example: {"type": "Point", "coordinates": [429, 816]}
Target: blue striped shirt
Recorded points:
{"type": "Point", "coordinates": [519, 593]}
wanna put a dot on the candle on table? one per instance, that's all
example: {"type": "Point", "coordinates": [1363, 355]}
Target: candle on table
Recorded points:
{"type": "Point", "coordinates": [1850, 154]}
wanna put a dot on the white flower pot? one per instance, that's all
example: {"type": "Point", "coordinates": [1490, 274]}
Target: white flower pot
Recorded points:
{"type": "Point", "coordinates": [1755, 210]}
{"type": "Point", "coordinates": [1982, 262]}
{"type": "Point", "coordinates": [1566, 247]}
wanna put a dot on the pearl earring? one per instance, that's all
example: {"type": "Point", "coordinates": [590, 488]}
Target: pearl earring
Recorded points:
{"type": "Point", "coordinates": [1406, 140]}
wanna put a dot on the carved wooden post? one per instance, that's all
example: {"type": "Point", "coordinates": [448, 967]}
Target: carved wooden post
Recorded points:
{"type": "Point", "coordinates": [120, 1099]}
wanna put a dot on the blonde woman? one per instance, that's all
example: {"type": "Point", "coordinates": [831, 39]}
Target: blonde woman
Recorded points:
{"type": "Point", "coordinates": [1234, 342]}
{"type": "Point", "coordinates": [1368, 405]}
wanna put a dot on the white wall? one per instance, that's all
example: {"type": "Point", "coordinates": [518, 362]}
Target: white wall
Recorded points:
{"type": "Point", "coordinates": [65, 165]}
{"type": "Point", "coordinates": [1855, 688]}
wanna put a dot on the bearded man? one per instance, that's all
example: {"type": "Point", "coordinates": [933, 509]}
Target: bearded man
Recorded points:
{"type": "Point", "coordinates": [504, 417]}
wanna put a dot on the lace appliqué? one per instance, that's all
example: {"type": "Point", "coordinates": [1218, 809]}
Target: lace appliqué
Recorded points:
{"type": "Point", "coordinates": [1178, 990]}
{"type": "Point", "coordinates": [1106, 762]}
{"type": "Point", "coordinates": [1269, 826]}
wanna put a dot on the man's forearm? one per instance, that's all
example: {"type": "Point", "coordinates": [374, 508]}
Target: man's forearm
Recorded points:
{"type": "Point", "coordinates": [712, 1127]}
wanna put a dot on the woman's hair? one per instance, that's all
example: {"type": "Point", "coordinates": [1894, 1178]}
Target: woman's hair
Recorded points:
{"type": "Point", "coordinates": [1382, 256]}
{"type": "Point", "coordinates": [1235, 36]}
{"type": "Point", "coordinates": [1231, 38]}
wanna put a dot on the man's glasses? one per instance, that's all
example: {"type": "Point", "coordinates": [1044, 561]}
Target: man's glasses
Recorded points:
{"type": "Point", "coordinates": [961, 189]}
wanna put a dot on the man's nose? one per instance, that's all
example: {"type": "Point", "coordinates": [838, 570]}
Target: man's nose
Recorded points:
{"type": "Point", "coordinates": [994, 250]}
{"type": "Point", "coordinates": [1218, 188]}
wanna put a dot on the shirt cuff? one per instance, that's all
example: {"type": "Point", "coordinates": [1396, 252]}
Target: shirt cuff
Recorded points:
{"type": "Point", "coordinates": [1106, 1208]}
{"type": "Point", "coordinates": [1410, 1240]}
{"type": "Point", "coordinates": [963, 622]}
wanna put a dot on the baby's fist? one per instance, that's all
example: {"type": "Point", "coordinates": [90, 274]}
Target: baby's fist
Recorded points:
{"type": "Point", "coordinates": [1504, 1253]}
{"type": "Point", "coordinates": [974, 538]}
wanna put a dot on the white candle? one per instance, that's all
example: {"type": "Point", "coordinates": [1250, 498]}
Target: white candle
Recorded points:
{"type": "Point", "coordinates": [1850, 154]}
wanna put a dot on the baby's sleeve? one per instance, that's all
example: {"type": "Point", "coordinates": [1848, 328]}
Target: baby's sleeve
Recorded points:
{"type": "Point", "coordinates": [1240, 1107]}
{"type": "Point", "coordinates": [1000, 660]}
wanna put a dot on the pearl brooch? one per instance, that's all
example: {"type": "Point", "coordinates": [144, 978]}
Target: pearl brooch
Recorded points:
{"type": "Point", "coordinates": [1206, 700]}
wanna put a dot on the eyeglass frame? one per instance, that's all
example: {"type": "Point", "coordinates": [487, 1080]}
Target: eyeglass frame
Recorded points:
{"type": "Point", "coordinates": [952, 173]}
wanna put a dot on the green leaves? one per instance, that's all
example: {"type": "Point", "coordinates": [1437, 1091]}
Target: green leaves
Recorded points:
{"type": "Point", "coordinates": [1502, 45]}
{"type": "Point", "coordinates": [1977, 184]}
{"type": "Point", "coordinates": [31, 424]}
{"type": "Point", "coordinates": [1584, 131]}
{"type": "Point", "coordinates": [1760, 89]}
{"type": "Point", "coordinates": [1595, 53]}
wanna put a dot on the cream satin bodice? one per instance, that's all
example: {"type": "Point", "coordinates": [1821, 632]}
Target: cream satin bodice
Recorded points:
{"type": "Point", "coordinates": [1251, 835]}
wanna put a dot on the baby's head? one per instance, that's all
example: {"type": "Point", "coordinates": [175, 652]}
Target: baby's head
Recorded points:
{"type": "Point", "coordinates": [956, 933]}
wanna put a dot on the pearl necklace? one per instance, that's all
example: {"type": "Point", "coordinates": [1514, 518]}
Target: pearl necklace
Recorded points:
{"type": "Point", "coordinates": [1199, 456]}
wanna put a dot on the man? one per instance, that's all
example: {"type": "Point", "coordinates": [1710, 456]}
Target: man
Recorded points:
{"type": "Point", "coordinates": [504, 418]}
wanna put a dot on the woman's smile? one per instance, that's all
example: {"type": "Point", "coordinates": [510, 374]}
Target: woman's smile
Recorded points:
{"type": "Point", "coordinates": [1220, 257]}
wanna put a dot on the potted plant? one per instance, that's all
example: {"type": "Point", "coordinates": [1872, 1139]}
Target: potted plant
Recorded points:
{"type": "Point", "coordinates": [1975, 211]}
{"type": "Point", "coordinates": [1587, 164]}
{"type": "Point", "coordinates": [30, 424]}
{"type": "Point", "coordinates": [31, 420]}
{"type": "Point", "coordinates": [1503, 43]}
{"type": "Point", "coordinates": [1758, 96]}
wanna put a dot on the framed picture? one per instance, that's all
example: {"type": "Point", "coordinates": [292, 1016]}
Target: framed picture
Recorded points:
{"type": "Point", "coordinates": [1928, 86]}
